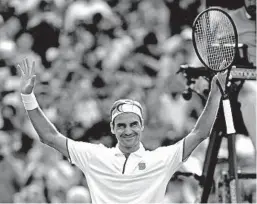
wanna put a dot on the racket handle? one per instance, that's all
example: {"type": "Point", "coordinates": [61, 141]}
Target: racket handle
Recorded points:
{"type": "Point", "coordinates": [228, 116]}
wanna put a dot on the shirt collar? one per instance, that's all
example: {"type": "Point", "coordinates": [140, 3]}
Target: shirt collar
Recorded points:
{"type": "Point", "coordinates": [139, 152]}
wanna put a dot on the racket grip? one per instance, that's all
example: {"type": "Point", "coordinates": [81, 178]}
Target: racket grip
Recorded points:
{"type": "Point", "coordinates": [228, 116]}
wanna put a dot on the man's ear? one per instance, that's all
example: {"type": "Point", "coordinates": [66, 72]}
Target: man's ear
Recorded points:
{"type": "Point", "coordinates": [142, 125]}
{"type": "Point", "coordinates": [112, 128]}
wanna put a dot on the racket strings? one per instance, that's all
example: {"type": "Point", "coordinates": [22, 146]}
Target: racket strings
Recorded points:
{"type": "Point", "coordinates": [215, 38]}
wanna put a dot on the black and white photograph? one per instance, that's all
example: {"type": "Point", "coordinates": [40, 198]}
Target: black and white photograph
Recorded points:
{"type": "Point", "coordinates": [128, 101]}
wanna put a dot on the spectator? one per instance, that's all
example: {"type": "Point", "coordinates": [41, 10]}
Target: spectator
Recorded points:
{"type": "Point", "coordinates": [10, 178]}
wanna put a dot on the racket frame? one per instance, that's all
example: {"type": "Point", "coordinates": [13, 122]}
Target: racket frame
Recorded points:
{"type": "Point", "coordinates": [236, 37]}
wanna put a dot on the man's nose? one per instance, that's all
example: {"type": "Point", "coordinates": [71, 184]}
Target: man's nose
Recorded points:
{"type": "Point", "coordinates": [128, 130]}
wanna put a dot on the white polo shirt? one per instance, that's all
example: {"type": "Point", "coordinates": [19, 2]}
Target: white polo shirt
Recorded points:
{"type": "Point", "coordinates": [111, 178]}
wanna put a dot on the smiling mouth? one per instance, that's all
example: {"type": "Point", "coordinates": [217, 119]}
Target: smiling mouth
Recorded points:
{"type": "Point", "coordinates": [128, 137]}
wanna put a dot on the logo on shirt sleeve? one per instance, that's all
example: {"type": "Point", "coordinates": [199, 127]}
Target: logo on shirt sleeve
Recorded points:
{"type": "Point", "coordinates": [141, 166]}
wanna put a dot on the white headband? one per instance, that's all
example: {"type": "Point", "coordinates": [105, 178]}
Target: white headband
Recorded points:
{"type": "Point", "coordinates": [126, 108]}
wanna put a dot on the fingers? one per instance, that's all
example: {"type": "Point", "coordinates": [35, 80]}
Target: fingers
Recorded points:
{"type": "Point", "coordinates": [32, 81]}
{"type": "Point", "coordinates": [29, 67]}
{"type": "Point", "coordinates": [222, 77]}
{"type": "Point", "coordinates": [27, 62]}
{"type": "Point", "coordinates": [20, 69]}
{"type": "Point", "coordinates": [223, 64]}
{"type": "Point", "coordinates": [25, 69]}
{"type": "Point", "coordinates": [33, 68]}
{"type": "Point", "coordinates": [230, 77]}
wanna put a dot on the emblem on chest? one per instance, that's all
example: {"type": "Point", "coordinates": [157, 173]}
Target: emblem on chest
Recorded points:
{"type": "Point", "coordinates": [141, 166]}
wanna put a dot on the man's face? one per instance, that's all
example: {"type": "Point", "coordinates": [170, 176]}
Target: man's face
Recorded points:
{"type": "Point", "coordinates": [128, 129]}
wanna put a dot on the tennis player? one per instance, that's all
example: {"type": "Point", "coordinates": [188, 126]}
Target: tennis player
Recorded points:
{"type": "Point", "coordinates": [126, 173]}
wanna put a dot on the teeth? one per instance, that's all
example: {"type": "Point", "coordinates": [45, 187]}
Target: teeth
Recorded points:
{"type": "Point", "coordinates": [129, 136]}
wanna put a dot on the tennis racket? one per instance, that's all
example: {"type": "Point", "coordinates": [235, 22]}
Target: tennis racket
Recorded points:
{"type": "Point", "coordinates": [215, 41]}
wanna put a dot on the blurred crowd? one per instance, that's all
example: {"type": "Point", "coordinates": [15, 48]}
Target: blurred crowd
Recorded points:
{"type": "Point", "coordinates": [88, 54]}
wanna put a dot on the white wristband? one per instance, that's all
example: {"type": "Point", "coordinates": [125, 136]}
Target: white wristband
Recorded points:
{"type": "Point", "coordinates": [29, 101]}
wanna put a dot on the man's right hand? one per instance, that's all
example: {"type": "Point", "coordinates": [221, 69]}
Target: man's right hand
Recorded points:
{"type": "Point", "coordinates": [27, 76]}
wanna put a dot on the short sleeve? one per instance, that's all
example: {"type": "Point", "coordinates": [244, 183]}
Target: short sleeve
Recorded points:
{"type": "Point", "coordinates": [80, 153]}
{"type": "Point", "coordinates": [173, 156]}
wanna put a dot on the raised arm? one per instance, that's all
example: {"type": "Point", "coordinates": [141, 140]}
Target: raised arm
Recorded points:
{"type": "Point", "coordinates": [47, 132]}
{"type": "Point", "coordinates": [206, 120]}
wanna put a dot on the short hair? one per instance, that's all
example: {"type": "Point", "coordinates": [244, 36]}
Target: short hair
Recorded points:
{"type": "Point", "coordinates": [121, 102]}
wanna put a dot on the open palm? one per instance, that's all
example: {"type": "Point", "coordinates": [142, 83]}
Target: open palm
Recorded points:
{"type": "Point", "coordinates": [27, 76]}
